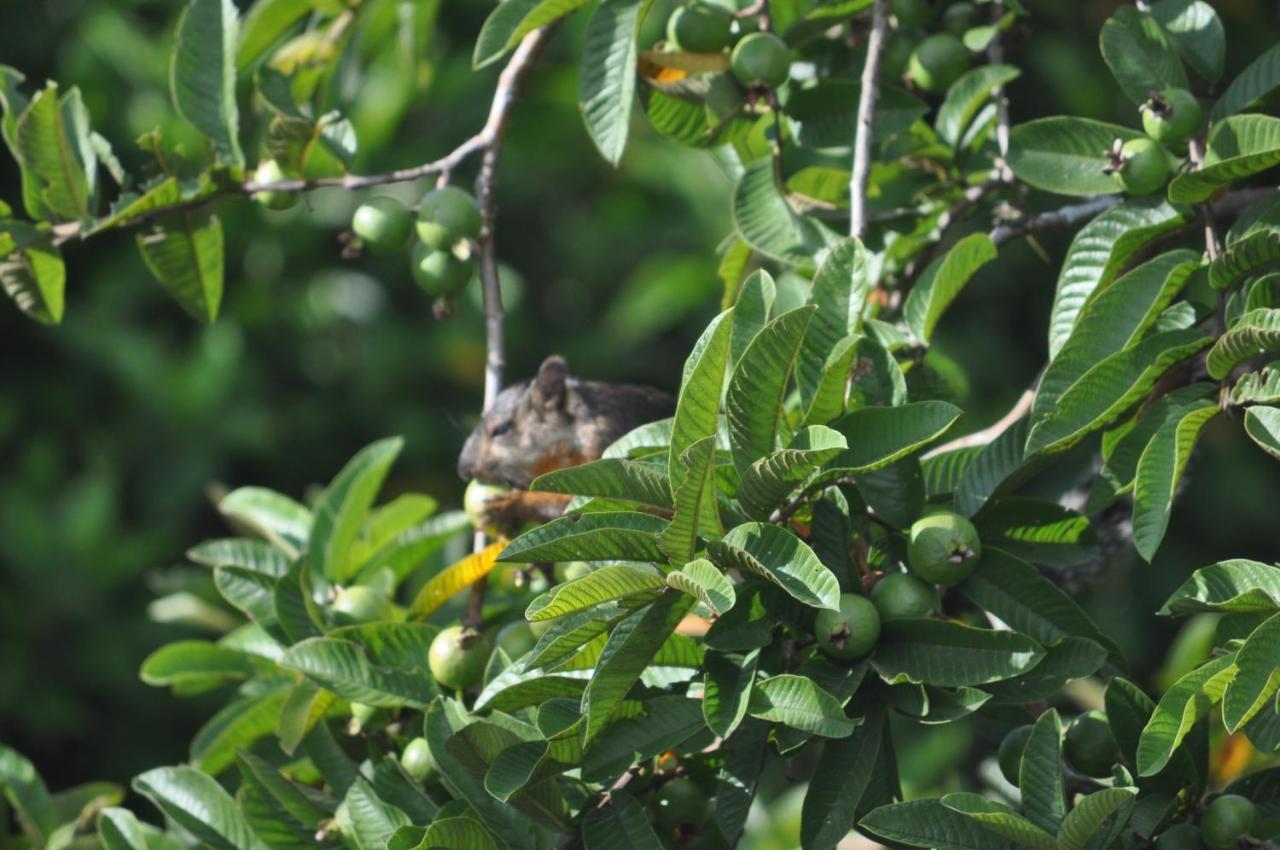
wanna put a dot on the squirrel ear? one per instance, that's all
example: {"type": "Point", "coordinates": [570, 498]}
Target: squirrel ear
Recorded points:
{"type": "Point", "coordinates": [549, 386]}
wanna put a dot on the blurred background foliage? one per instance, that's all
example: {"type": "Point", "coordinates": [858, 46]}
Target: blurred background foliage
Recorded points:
{"type": "Point", "coordinates": [115, 426]}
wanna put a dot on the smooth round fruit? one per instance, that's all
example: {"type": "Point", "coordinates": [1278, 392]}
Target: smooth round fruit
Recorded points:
{"type": "Point", "coordinates": [1141, 168]}
{"type": "Point", "coordinates": [439, 273]}
{"type": "Point", "coordinates": [458, 656]}
{"type": "Point", "coordinates": [681, 805]}
{"type": "Point", "coordinates": [1171, 116]}
{"type": "Point", "coordinates": [1009, 756]}
{"type": "Point", "coordinates": [761, 58]}
{"type": "Point", "coordinates": [446, 215]}
{"type": "Point", "coordinates": [515, 639]}
{"type": "Point", "coordinates": [937, 62]}
{"type": "Point", "coordinates": [914, 13]}
{"type": "Point", "coordinates": [944, 548]}
{"type": "Point", "coordinates": [1180, 836]}
{"type": "Point", "coordinates": [269, 171]}
{"type": "Point", "coordinates": [1090, 746]}
{"type": "Point", "coordinates": [383, 223]}
{"type": "Point", "coordinates": [359, 604]}
{"type": "Point", "coordinates": [417, 760]}
{"type": "Point", "coordinates": [959, 18]}
{"type": "Point", "coordinates": [700, 28]}
{"type": "Point", "coordinates": [898, 596]}
{"type": "Point", "coordinates": [1226, 820]}
{"type": "Point", "coordinates": [897, 54]}
{"type": "Point", "coordinates": [476, 499]}
{"type": "Point", "coordinates": [852, 631]}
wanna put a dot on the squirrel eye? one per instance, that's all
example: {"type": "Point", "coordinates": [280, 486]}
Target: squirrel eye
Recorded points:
{"type": "Point", "coordinates": [501, 428]}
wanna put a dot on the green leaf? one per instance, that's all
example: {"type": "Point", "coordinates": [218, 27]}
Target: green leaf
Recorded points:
{"type": "Point", "coordinates": [603, 584]}
{"type": "Point", "coordinates": [1103, 812]}
{"type": "Point", "coordinates": [1065, 154]}
{"type": "Point", "coordinates": [1238, 147]}
{"type": "Point", "coordinates": [798, 702]}
{"type": "Point", "coordinates": [342, 507]}
{"type": "Point", "coordinates": [610, 478]}
{"type": "Point", "coordinates": [839, 294]}
{"type": "Point", "coordinates": [779, 556]}
{"type": "Point", "coordinates": [344, 667]}
{"type": "Point", "coordinates": [199, 805]}
{"type": "Point", "coordinates": [462, 832]}
{"type": "Point", "coordinates": [1257, 676]}
{"type": "Point", "coordinates": [726, 689]}
{"type": "Point", "coordinates": [751, 312]}
{"type": "Point", "coordinates": [189, 663]}
{"type": "Point", "coordinates": [1256, 332]}
{"type": "Point", "coordinates": [620, 825]}
{"type": "Point", "coordinates": [1228, 586]}
{"type": "Point", "coordinates": [1185, 702]}
{"type": "Point", "coordinates": [703, 580]}
{"type": "Point", "coordinates": [698, 407]}
{"type": "Point", "coordinates": [1113, 320]}
{"type": "Point", "coordinates": [666, 723]}
{"type": "Point", "coordinates": [753, 405]}
{"type": "Point", "coordinates": [50, 138]}
{"type": "Point", "coordinates": [739, 776]}
{"type": "Point", "coordinates": [120, 829]}
{"type": "Point", "coordinates": [32, 272]}
{"type": "Point", "coordinates": [1159, 471]}
{"type": "Point", "coordinates": [929, 824]}
{"type": "Point", "coordinates": [504, 28]}
{"type": "Point", "coordinates": [766, 222]}
{"type": "Point", "coordinates": [830, 808]}
{"type": "Point", "coordinates": [943, 280]}
{"type": "Point", "coordinates": [254, 555]}
{"type": "Point", "coordinates": [373, 820]}
{"type": "Point", "coordinates": [1262, 424]}
{"type": "Point", "coordinates": [306, 706]}
{"type": "Point", "coordinates": [1140, 54]}
{"type": "Point", "coordinates": [1196, 32]}
{"type": "Point", "coordinates": [696, 513]}
{"type": "Point", "coordinates": [948, 654]}
{"type": "Point", "coordinates": [1244, 257]}
{"type": "Point", "coordinates": [237, 726]}
{"type": "Point", "coordinates": [1065, 660]}
{"type": "Point", "coordinates": [1000, 819]}
{"type": "Point", "coordinates": [1128, 709]}
{"type": "Point", "coordinates": [606, 80]}
{"type": "Point", "coordinates": [1099, 253]}
{"type": "Point", "coordinates": [605, 536]}
{"type": "Point", "coordinates": [1261, 387]}
{"type": "Point", "coordinates": [266, 22]}
{"type": "Point", "coordinates": [26, 792]}
{"type": "Point", "coordinates": [250, 591]}
{"type": "Point", "coordinates": [767, 481]}
{"type": "Point", "coordinates": [183, 250]}
{"type": "Point", "coordinates": [630, 647]}
{"type": "Point", "coordinates": [203, 75]}
{"type": "Point", "coordinates": [1259, 79]}
{"type": "Point", "coordinates": [966, 96]}
{"type": "Point", "coordinates": [879, 436]}
{"type": "Point", "coordinates": [1040, 775]}
{"type": "Point", "coordinates": [1111, 387]}
{"type": "Point", "coordinates": [830, 395]}
{"type": "Point", "coordinates": [996, 465]}
{"type": "Point", "coordinates": [1041, 532]}
{"type": "Point", "coordinates": [323, 147]}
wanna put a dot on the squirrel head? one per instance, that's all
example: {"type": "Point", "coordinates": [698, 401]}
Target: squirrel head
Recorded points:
{"type": "Point", "coordinates": [527, 431]}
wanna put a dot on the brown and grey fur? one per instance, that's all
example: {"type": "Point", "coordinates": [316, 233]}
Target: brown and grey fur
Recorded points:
{"type": "Point", "coordinates": [548, 423]}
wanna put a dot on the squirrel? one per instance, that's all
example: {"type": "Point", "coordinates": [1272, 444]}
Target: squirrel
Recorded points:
{"type": "Point", "coordinates": [550, 422]}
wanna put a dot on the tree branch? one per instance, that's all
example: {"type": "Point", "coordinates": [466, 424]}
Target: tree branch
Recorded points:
{"type": "Point", "coordinates": [995, 56]}
{"type": "Point", "coordinates": [866, 121]}
{"type": "Point", "coordinates": [1061, 217]}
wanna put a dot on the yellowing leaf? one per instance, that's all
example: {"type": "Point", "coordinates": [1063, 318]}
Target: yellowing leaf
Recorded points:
{"type": "Point", "coordinates": [454, 578]}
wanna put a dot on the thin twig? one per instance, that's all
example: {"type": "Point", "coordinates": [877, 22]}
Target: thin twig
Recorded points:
{"type": "Point", "coordinates": [988, 434]}
{"type": "Point", "coordinates": [866, 121]}
{"type": "Point", "coordinates": [995, 56]}
{"type": "Point", "coordinates": [1061, 217]}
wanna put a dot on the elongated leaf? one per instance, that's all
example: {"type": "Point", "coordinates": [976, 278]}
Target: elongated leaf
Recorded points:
{"type": "Point", "coordinates": [999, 462]}
{"type": "Point", "coordinates": [771, 478]}
{"type": "Point", "coordinates": [1140, 54]}
{"type": "Point", "coordinates": [373, 820]}
{"type": "Point", "coordinates": [610, 478]}
{"type": "Point", "coordinates": [203, 76]}
{"type": "Point", "coordinates": [1099, 252]}
{"type": "Point", "coordinates": [831, 808]}
{"type": "Point", "coordinates": [24, 789]}
{"type": "Point", "coordinates": [606, 80]}
{"type": "Point", "coordinates": [767, 223]}
{"type": "Point", "coordinates": [1065, 660]}
{"type": "Point", "coordinates": [453, 578]}
{"type": "Point", "coordinates": [306, 706]}
{"type": "Point", "coordinates": [1103, 812]}
{"type": "Point", "coordinates": [1159, 471]}
{"type": "Point", "coordinates": [32, 272]}
{"type": "Point", "coordinates": [1256, 332]}
{"type": "Point", "coordinates": [344, 667]}
{"type": "Point", "coordinates": [942, 281]}
{"type": "Point", "coordinates": [1262, 424]}
{"type": "Point", "coordinates": [184, 252]}
{"type": "Point", "coordinates": [703, 580]}
{"type": "Point", "coordinates": [341, 509]}
{"type": "Point", "coordinates": [1065, 154]}
{"type": "Point", "coordinates": [696, 513]}
{"type": "Point", "coordinates": [839, 294]}
{"type": "Point", "coordinates": [948, 654]}
{"type": "Point", "coordinates": [1257, 676]}
{"type": "Point", "coordinates": [196, 801]}
{"type": "Point", "coordinates": [1260, 78]}
{"type": "Point", "coordinates": [1040, 775]}
{"type": "Point", "coordinates": [667, 722]}
{"type": "Point", "coordinates": [194, 662]}
{"type": "Point", "coordinates": [830, 395]}
{"type": "Point", "coordinates": [1039, 531]}
{"type": "Point", "coordinates": [879, 436]}
{"type": "Point", "coordinates": [751, 311]}
{"type": "Point", "coordinates": [1244, 257]}
{"type": "Point", "coordinates": [1000, 819]}
{"type": "Point", "coordinates": [928, 823]}
{"type": "Point", "coordinates": [1181, 706]}
{"type": "Point", "coordinates": [610, 535]}
{"type": "Point", "coordinates": [1196, 31]}
{"type": "Point", "coordinates": [779, 556]}
{"type": "Point", "coordinates": [1238, 147]}
{"type": "Point", "coordinates": [698, 407]}
{"type": "Point", "coordinates": [1236, 585]}
{"type": "Point", "coordinates": [727, 688]}
{"type": "Point", "coordinates": [59, 169]}
{"type": "Point", "coordinates": [966, 96]}
{"type": "Point", "coordinates": [798, 702]}
{"type": "Point", "coordinates": [237, 726]}
{"type": "Point", "coordinates": [620, 825]}
{"type": "Point", "coordinates": [274, 516]}
{"type": "Point", "coordinates": [603, 584]}
{"type": "Point", "coordinates": [753, 405]}
{"type": "Point", "coordinates": [265, 24]}
{"type": "Point", "coordinates": [1261, 387]}
{"type": "Point", "coordinates": [120, 829]}
{"type": "Point", "coordinates": [1128, 710]}
{"type": "Point", "coordinates": [1111, 387]}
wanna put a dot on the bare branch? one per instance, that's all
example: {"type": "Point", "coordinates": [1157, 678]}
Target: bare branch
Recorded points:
{"type": "Point", "coordinates": [1061, 217]}
{"type": "Point", "coordinates": [866, 121]}
{"type": "Point", "coordinates": [988, 434]}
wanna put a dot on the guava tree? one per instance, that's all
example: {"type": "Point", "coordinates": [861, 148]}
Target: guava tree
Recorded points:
{"type": "Point", "coordinates": [812, 555]}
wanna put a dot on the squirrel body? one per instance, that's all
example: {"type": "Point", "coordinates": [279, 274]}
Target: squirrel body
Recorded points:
{"type": "Point", "coordinates": [551, 422]}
